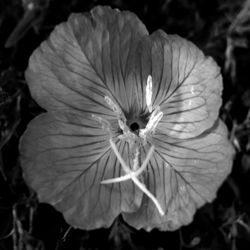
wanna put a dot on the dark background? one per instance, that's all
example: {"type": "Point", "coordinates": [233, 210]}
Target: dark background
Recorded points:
{"type": "Point", "coordinates": [221, 28]}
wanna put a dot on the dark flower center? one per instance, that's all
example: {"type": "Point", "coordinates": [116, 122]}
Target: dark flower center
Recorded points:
{"type": "Point", "coordinates": [137, 122]}
{"type": "Point", "coordinates": [134, 126]}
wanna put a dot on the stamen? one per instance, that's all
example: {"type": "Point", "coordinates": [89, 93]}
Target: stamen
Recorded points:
{"type": "Point", "coordinates": [124, 128]}
{"type": "Point", "coordinates": [113, 106]}
{"type": "Point", "coordinates": [149, 93]}
{"type": "Point", "coordinates": [135, 161]}
{"type": "Point", "coordinates": [122, 125]}
{"type": "Point", "coordinates": [154, 119]}
{"type": "Point", "coordinates": [134, 179]}
{"type": "Point", "coordinates": [105, 124]}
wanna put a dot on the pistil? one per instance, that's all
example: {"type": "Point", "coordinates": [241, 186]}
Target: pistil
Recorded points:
{"type": "Point", "coordinates": [136, 169]}
{"type": "Point", "coordinates": [134, 178]}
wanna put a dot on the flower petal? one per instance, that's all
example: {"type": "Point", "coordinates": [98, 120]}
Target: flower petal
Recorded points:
{"type": "Point", "coordinates": [183, 175]}
{"type": "Point", "coordinates": [64, 158]}
{"type": "Point", "coordinates": [84, 60]}
{"type": "Point", "coordinates": [186, 85]}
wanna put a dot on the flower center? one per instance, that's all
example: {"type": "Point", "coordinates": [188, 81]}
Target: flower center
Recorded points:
{"type": "Point", "coordinates": [135, 132]}
{"type": "Point", "coordinates": [134, 127]}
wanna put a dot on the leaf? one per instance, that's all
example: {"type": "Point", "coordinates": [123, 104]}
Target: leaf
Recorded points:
{"type": "Point", "coordinates": [64, 159]}
{"type": "Point", "coordinates": [84, 60]}
{"type": "Point", "coordinates": [183, 175]}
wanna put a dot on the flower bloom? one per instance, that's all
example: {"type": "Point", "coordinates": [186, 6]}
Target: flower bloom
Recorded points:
{"type": "Point", "coordinates": [131, 125]}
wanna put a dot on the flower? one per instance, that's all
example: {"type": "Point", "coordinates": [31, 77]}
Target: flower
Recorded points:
{"type": "Point", "coordinates": [131, 125]}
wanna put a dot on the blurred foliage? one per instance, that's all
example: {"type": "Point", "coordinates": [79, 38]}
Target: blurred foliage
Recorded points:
{"type": "Point", "coordinates": [221, 28]}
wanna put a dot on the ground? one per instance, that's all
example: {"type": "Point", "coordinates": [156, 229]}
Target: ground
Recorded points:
{"type": "Point", "coordinates": [221, 29]}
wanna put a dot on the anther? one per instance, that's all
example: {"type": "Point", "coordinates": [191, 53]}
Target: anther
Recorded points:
{"type": "Point", "coordinates": [136, 161]}
{"type": "Point", "coordinates": [104, 123]}
{"type": "Point", "coordinates": [149, 93]}
{"type": "Point", "coordinates": [112, 105]}
{"type": "Point", "coordinates": [154, 119]}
